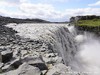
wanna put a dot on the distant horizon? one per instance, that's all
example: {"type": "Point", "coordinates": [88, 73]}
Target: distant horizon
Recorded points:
{"type": "Point", "coordinates": [52, 10]}
{"type": "Point", "coordinates": [31, 19]}
{"type": "Point", "coordinates": [48, 20]}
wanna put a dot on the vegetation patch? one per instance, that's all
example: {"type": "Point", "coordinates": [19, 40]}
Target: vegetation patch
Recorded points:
{"type": "Point", "coordinates": [90, 23]}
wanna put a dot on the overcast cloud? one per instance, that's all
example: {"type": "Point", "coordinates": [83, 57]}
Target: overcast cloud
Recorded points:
{"type": "Point", "coordinates": [26, 9]}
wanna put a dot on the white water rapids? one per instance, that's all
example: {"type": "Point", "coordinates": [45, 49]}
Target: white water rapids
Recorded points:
{"type": "Point", "coordinates": [87, 58]}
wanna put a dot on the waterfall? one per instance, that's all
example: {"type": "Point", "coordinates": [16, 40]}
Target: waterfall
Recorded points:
{"type": "Point", "coordinates": [57, 35]}
{"type": "Point", "coordinates": [80, 51]}
{"type": "Point", "coordinates": [87, 60]}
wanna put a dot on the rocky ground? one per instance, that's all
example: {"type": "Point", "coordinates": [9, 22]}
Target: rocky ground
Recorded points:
{"type": "Point", "coordinates": [31, 49]}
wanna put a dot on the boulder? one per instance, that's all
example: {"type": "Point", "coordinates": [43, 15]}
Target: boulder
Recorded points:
{"type": "Point", "coordinates": [35, 61]}
{"type": "Point", "coordinates": [24, 69]}
{"type": "Point", "coordinates": [6, 55]}
{"type": "Point", "coordinates": [14, 64]}
{"type": "Point", "coordinates": [59, 69]}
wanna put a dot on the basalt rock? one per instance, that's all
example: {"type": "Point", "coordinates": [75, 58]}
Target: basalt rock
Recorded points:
{"type": "Point", "coordinates": [6, 55]}
{"type": "Point", "coordinates": [95, 30]}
